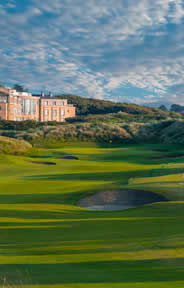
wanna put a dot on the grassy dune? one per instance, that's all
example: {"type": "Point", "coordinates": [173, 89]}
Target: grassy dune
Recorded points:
{"type": "Point", "coordinates": [47, 241]}
{"type": "Point", "coordinates": [13, 146]}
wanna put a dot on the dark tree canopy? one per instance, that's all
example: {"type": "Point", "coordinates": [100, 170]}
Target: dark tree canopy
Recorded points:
{"type": "Point", "coordinates": [87, 106]}
{"type": "Point", "coordinates": [177, 108]}
{"type": "Point", "coordinates": [163, 108]}
{"type": "Point", "coordinates": [19, 88]}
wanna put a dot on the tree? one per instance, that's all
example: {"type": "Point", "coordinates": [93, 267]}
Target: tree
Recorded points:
{"type": "Point", "coordinates": [163, 108]}
{"type": "Point", "coordinates": [19, 88]}
{"type": "Point", "coordinates": [177, 108]}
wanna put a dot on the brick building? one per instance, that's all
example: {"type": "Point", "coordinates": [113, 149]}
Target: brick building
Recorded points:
{"type": "Point", "coordinates": [20, 106]}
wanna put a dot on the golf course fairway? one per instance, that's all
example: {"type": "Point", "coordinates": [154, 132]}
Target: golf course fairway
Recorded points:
{"type": "Point", "coordinates": [47, 241]}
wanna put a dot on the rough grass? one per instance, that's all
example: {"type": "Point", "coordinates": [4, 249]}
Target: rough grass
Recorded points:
{"type": "Point", "coordinates": [120, 132]}
{"type": "Point", "coordinates": [54, 243]}
{"type": "Point", "coordinates": [14, 146]}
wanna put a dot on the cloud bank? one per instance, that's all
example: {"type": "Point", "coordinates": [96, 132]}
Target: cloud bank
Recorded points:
{"type": "Point", "coordinates": [121, 50]}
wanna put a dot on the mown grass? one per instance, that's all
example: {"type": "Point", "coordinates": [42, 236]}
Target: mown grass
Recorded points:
{"type": "Point", "coordinates": [44, 234]}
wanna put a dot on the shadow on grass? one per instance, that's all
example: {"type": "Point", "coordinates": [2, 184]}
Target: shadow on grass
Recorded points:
{"type": "Point", "coordinates": [95, 272]}
{"type": "Point", "coordinates": [141, 154]}
{"type": "Point", "coordinates": [121, 176]}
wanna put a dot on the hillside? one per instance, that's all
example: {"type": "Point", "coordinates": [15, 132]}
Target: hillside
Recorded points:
{"type": "Point", "coordinates": [177, 108]}
{"type": "Point", "coordinates": [86, 106]}
{"type": "Point", "coordinates": [170, 131]}
{"type": "Point", "coordinates": [13, 146]}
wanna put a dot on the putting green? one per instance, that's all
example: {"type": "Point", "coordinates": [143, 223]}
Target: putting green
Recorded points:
{"type": "Point", "coordinates": [46, 240]}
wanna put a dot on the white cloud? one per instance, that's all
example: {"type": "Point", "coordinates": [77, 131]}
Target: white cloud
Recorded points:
{"type": "Point", "coordinates": [94, 47]}
{"type": "Point", "coordinates": [10, 5]}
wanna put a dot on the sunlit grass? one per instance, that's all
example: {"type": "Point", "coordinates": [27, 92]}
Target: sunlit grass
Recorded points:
{"type": "Point", "coordinates": [43, 231]}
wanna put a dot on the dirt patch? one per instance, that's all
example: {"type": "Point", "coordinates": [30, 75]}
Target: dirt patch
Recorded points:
{"type": "Point", "coordinates": [167, 156]}
{"type": "Point", "coordinates": [119, 200]}
{"type": "Point", "coordinates": [43, 163]}
{"type": "Point", "coordinates": [68, 157]}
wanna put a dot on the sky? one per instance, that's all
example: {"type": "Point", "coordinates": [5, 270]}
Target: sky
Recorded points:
{"type": "Point", "coordinates": [121, 50]}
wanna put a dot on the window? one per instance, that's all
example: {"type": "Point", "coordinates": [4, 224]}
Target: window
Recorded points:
{"type": "Point", "coordinates": [54, 103]}
{"type": "Point", "coordinates": [27, 107]}
{"type": "Point", "coordinates": [46, 119]}
{"type": "Point", "coordinates": [55, 112]}
{"type": "Point", "coordinates": [46, 103]}
{"type": "Point", "coordinates": [62, 103]}
{"type": "Point", "coordinates": [23, 106]}
{"type": "Point", "coordinates": [33, 107]}
{"type": "Point", "coordinates": [62, 112]}
{"type": "Point", "coordinates": [19, 111]}
{"type": "Point", "coordinates": [54, 118]}
{"type": "Point", "coordinates": [46, 112]}
{"type": "Point", "coordinates": [15, 111]}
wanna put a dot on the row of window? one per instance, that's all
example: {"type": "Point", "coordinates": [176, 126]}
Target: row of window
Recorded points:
{"type": "Point", "coordinates": [28, 107]}
{"type": "Point", "coordinates": [62, 113]}
{"type": "Point", "coordinates": [46, 112]}
{"type": "Point", "coordinates": [17, 111]}
{"type": "Point", "coordinates": [46, 103]}
{"type": "Point", "coordinates": [54, 103]}
{"type": "Point", "coordinates": [53, 119]}
{"type": "Point", "coordinates": [18, 119]}
{"type": "Point", "coordinates": [23, 119]}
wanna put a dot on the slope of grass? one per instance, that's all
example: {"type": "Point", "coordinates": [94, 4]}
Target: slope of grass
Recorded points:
{"type": "Point", "coordinates": [47, 241]}
{"type": "Point", "coordinates": [120, 132]}
{"type": "Point", "coordinates": [13, 146]}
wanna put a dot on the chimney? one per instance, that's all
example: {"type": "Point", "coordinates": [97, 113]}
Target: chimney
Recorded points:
{"type": "Point", "coordinates": [42, 94]}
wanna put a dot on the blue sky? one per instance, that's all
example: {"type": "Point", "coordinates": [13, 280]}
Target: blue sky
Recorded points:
{"type": "Point", "coordinates": [122, 50]}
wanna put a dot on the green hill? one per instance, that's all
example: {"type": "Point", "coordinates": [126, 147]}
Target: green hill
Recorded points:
{"type": "Point", "coordinates": [13, 146]}
{"type": "Point", "coordinates": [163, 132]}
{"type": "Point", "coordinates": [86, 106]}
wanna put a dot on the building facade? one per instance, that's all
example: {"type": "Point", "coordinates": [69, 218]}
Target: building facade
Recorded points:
{"type": "Point", "coordinates": [20, 106]}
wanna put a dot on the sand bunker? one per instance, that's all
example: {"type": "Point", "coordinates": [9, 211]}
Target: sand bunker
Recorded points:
{"type": "Point", "coordinates": [68, 157]}
{"type": "Point", "coordinates": [119, 200]}
{"type": "Point", "coordinates": [43, 163]}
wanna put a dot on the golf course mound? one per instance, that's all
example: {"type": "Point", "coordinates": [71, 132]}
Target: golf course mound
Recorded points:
{"type": "Point", "coordinates": [14, 146]}
{"type": "Point", "coordinates": [119, 200]}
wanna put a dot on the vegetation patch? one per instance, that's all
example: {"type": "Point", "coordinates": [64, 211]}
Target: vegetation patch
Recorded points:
{"type": "Point", "coordinates": [111, 133]}
{"type": "Point", "coordinates": [14, 146]}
